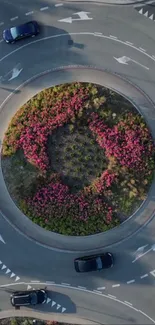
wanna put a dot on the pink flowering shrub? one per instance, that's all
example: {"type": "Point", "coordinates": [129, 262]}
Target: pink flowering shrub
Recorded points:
{"type": "Point", "coordinates": [105, 181]}
{"type": "Point", "coordinates": [55, 201]}
{"type": "Point", "coordinates": [34, 129]}
{"type": "Point", "coordinates": [127, 141]}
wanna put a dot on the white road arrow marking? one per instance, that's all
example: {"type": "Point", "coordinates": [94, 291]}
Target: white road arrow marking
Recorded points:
{"type": "Point", "coordinates": [29, 287]}
{"type": "Point", "coordinates": [125, 59]}
{"type": "Point", "coordinates": [48, 300]}
{"type": "Point", "coordinates": [58, 306]}
{"type": "Point", "coordinates": [15, 73]}
{"type": "Point", "coordinates": [2, 240]}
{"type": "Point", "coordinates": [3, 267]}
{"type": "Point", "coordinates": [17, 278]}
{"type": "Point", "coordinates": [82, 14]}
{"type": "Point", "coordinates": [63, 309]}
{"type": "Point", "coordinates": [53, 303]}
{"type": "Point", "coordinates": [153, 273]}
{"type": "Point", "coordinates": [142, 254]}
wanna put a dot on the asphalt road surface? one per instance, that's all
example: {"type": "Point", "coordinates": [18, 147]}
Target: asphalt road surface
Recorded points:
{"type": "Point", "coordinates": [118, 40]}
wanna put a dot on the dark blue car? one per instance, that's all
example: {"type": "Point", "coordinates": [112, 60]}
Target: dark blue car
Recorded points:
{"type": "Point", "coordinates": [14, 34]}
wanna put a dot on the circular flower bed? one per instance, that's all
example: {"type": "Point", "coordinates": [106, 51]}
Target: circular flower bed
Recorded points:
{"type": "Point", "coordinates": [78, 159]}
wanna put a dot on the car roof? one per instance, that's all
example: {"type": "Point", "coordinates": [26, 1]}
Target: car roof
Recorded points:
{"type": "Point", "coordinates": [87, 265]}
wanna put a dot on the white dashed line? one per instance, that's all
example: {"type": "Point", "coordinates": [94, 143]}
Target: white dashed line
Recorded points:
{"type": "Point", "coordinates": [97, 33]}
{"type": "Point", "coordinates": [65, 284]}
{"type": "Point", "coordinates": [144, 276]}
{"type": "Point", "coordinates": [44, 8]}
{"type": "Point", "coordinates": [81, 287]}
{"type": "Point", "coordinates": [14, 18]}
{"type": "Point", "coordinates": [91, 292]}
{"type": "Point", "coordinates": [131, 281]}
{"type": "Point", "coordinates": [35, 281]}
{"type": "Point", "coordinates": [128, 303]}
{"type": "Point", "coordinates": [97, 291]}
{"type": "Point", "coordinates": [115, 285]}
{"type": "Point", "coordinates": [58, 4]}
{"type": "Point", "coordinates": [101, 288]}
{"type": "Point", "coordinates": [1, 23]}
{"type": "Point", "coordinates": [129, 43]}
{"type": "Point", "coordinates": [142, 49]}
{"type": "Point", "coordinates": [112, 296]}
{"type": "Point", "coordinates": [29, 13]}
{"type": "Point", "coordinates": [113, 36]}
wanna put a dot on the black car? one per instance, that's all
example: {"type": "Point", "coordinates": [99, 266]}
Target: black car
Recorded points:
{"type": "Point", "coordinates": [26, 298]}
{"type": "Point", "coordinates": [94, 262]}
{"type": "Point", "coordinates": [14, 34]}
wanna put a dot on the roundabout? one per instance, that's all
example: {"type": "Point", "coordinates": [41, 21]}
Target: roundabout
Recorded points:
{"type": "Point", "coordinates": [85, 60]}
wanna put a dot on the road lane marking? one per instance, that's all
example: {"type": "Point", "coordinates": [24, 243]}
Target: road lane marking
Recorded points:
{"type": "Point", "coordinates": [80, 33]}
{"type": "Point", "coordinates": [81, 287]}
{"type": "Point", "coordinates": [131, 281]}
{"type": "Point", "coordinates": [111, 296]}
{"type": "Point", "coordinates": [1, 238]}
{"type": "Point", "coordinates": [97, 33]}
{"type": "Point", "coordinates": [142, 49]}
{"type": "Point", "coordinates": [29, 13]}
{"type": "Point", "coordinates": [35, 281]}
{"type": "Point", "coordinates": [149, 250]}
{"type": "Point", "coordinates": [129, 43]}
{"type": "Point", "coordinates": [101, 288]}
{"type": "Point", "coordinates": [44, 8]}
{"type": "Point", "coordinates": [115, 285]}
{"type": "Point", "coordinates": [65, 284]}
{"type": "Point", "coordinates": [129, 303]}
{"type": "Point", "coordinates": [14, 18]}
{"type": "Point", "coordinates": [87, 291]}
{"type": "Point", "coordinates": [144, 276]}
{"type": "Point", "coordinates": [153, 273]}
{"type": "Point", "coordinates": [58, 5]}
{"type": "Point", "coordinates": [113, 36]}
{"type": "Point", "coordinates": [97, 291]}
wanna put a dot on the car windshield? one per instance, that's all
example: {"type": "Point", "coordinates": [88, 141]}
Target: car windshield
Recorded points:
{"type": "Point", "coordinates": [14, 32]}
{"type": "Point", "coordinates": [33, 298]}
{"type": "Point", "coordinates": [99, 263]}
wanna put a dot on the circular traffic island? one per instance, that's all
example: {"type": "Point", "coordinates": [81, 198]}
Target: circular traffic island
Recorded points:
{"type": "Point", "coordinates": [78, 159]}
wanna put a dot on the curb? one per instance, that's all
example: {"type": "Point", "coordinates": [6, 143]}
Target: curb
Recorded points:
{"type": "Point", "coordinates": [110, 2]}
{"type": "Point", "coordinates": [71, 319]}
